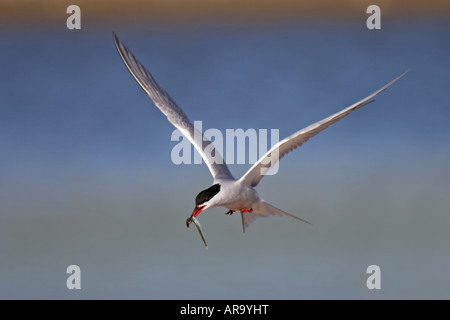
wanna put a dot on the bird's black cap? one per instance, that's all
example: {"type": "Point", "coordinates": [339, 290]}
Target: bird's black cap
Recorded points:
{"type": "Point", "coordinates": [207, 194]}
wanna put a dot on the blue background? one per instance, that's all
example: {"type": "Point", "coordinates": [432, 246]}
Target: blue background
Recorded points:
{"type": "Point", "coordinates": [86, 176]}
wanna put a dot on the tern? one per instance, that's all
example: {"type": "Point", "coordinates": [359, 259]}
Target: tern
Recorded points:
{"type": "Point", "coordinates": [226, 191]}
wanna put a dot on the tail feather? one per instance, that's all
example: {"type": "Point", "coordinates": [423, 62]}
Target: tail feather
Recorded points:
{"type": "Point", "coordinates": [261, 210]}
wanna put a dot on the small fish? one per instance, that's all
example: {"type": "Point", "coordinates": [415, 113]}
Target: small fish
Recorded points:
{"type": "Point", "coordinates": [199, 228]}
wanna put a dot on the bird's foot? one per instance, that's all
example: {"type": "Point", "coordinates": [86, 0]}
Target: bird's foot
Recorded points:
{"type": "Point", "coordinates": [230, 212]}
{"type": "Point", "coordinates": [246, 210]}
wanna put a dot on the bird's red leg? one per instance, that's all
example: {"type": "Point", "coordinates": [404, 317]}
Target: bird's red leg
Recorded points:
{"type": "Point", "coordinates": [230, 212]}
{"type": "Point", "coordinates": [246, 210]}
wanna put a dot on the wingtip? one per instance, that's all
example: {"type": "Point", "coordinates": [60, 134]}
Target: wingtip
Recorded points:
{"type": "Point", "coordinates": [400, 76]}
{"type": "Point", "coordinates": [366, 103]}
{"type": "Point", "coordinates": [116, 38]}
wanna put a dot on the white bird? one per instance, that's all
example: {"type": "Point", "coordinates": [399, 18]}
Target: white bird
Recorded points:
{"type": "Point", "coordinates": [226, 191]}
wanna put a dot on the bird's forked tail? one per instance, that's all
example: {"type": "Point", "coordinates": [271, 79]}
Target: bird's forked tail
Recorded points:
{"type": "Point", "coordinates": [262, 209]}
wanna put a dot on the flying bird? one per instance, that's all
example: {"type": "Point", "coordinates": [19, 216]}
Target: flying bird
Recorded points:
{"type": "Point", "coordinates": [233, 194]}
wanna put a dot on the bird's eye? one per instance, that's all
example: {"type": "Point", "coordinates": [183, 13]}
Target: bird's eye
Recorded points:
{"type": "Point", "coordinates": [207, 194]}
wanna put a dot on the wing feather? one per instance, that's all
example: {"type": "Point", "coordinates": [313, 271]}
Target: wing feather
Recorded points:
{"type": "Point", "coordinates": [256, 172]}
{"type": "Point", "coordinates": [173, 112]}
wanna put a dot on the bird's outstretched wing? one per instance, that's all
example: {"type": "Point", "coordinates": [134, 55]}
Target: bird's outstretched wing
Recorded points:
{"type": "Point", "coordinates": [256, 172]}
{"type": "Point", "coordinates": [173, 112]}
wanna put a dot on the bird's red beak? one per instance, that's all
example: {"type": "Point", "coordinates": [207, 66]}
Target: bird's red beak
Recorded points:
{"type": "Point", "coordinates": [197, 210]}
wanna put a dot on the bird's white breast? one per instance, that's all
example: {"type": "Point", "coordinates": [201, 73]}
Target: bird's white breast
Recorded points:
{"type": "Point", "coordinates": [236, 196]}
